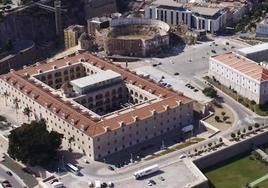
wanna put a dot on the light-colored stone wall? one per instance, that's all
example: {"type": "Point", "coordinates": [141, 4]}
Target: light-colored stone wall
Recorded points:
{"type": "Point", "coordinates": [143, 130]}
{"type": "Point", "coordinates": [244, 85]}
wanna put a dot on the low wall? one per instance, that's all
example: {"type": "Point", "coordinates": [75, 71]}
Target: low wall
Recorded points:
{"type": "Point", "coordinates": [231, 151]}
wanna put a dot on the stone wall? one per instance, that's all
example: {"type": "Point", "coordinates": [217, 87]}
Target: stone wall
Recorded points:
{"type": "Point", "coordinates": [231, 151]}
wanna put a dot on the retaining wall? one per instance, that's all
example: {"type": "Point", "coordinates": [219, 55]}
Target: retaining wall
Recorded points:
{"type": "Point", "coordinates": [231, 151]}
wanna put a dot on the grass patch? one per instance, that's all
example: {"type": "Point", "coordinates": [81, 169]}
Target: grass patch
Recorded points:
{"type": "Point", "coordinates": [237, 172]}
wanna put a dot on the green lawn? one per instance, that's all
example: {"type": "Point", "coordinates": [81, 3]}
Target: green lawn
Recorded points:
{"type": "Point", "coordinates": [237, 173]}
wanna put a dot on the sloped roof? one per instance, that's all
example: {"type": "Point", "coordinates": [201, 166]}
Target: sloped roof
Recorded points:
{"type": "Point", "coordinates": [93, 126]}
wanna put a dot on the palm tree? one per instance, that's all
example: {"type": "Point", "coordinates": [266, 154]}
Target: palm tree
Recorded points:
{"type": "Point", "coordinates": [16, 103]}
{"type": "Point", "coordinates": [27, 111]}
{"type": "Point", "coordinates": [6, 95]}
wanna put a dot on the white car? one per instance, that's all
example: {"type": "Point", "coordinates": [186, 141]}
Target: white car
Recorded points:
{"type": "Point", "coordinates": [149, 183]}
{"type": "Point", "coordinates": [182, 156]}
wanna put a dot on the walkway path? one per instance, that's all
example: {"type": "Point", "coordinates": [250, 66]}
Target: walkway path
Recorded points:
{"type": "Point", "coordinates": [256, 182]}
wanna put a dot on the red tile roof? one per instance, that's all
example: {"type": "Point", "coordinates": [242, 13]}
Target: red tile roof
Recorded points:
{"type": "Point", "coordinates": [81, 120]}
{"type": "Point", "coordinates": [243, 65]}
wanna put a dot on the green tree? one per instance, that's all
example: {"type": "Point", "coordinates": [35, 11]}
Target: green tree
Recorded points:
{"type": "Point", "coordinates": [217, 118]}
{"type": "Point", "coordinates": [209, 144]}
{"type": "Point", "coordinates": [233, 135]}
{"type": "Point", "coordinates": [33, 145]}
{"type": "Point", "coordinates": [210, 92]}
{"type": "Point", "coordinates": [256, 125]}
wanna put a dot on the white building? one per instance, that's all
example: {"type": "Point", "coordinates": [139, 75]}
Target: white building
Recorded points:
{"type": "Point", "coordinates": [245, 76]}
{"type": "Point", "coordinates": [262, 28]}
{"type": "Point", "coordinates": [258, 53]}
{"type": "Point", "coordinates": [178, 13]}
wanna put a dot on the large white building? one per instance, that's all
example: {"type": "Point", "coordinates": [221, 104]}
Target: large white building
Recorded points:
{"type": "Point", "coordinates": [211, 19]}
{"type": "Point", "coordinates": [105, 108]}
{"type": "Point", "coordinates": [245, 76]}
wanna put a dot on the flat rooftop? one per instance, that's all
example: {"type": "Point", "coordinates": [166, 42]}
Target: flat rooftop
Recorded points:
{"type": "Point", "coordinates": [95, 78]}
{"type": "Point", "coordinates": [170, 3]}
{"type": "Point", "coordinates": [254, 49]}
{"type": "Point", "coordinates": [205, 11]}
{"type": "Point", "coordinates": [243, 65]}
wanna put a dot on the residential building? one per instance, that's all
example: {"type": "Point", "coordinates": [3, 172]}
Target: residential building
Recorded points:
{"type": "Point", "coordinates": [262, 28]}
{"type": "Point", "coordinates": [245, 76]}
{"type": "Point", "coordinates": [72, 34]}
{"type": "Point", "coordinates": [105, 108]}
{"type": "Point", "coordinates": [195, 16]}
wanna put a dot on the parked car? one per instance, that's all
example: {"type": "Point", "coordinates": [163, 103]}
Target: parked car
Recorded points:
{"type": "Point", "coordinates": [213, 51]}
{"type": "Point", "coordinates": [152, 182]}
{"type": "Point", "coordinates": [110, 184]}
{"type": "Point", "coordinates": [176, 73]}
{"type": "Point", "coordinates": [111, 168]}
{"type": "Point", "coordinates": [162, 178]}
{"type": "Point", "coordinates": [182, 156]}
{"type": "Point", "coordinates": [9, 173]}
{"type": "Point", "coordinates": [104, 184]}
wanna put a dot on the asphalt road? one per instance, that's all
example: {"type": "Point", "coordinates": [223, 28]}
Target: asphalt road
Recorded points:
{"type": "Point", "coordinates": [13, 181]}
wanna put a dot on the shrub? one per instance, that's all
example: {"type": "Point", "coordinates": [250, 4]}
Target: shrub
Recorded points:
{"type": "Point", "coordinates": [249, 128]}
{"type": "Point", "coordinates": [210, 92]}
{"type": "Point", "coordinates": [233, 135]}
{"type": "Point", "coordinates": [217, 118]}
{"type": "Point", "coordinates": [257, 125]}
{"type": "Point", "coordinates": [223, 113]}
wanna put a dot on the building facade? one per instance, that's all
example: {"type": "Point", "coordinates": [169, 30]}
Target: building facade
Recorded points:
{"type": "Point", "coordinates": [102, 120]}
{"type": "Point", "coordinates": [72, 34]}
{"type": "Point", "coordinates": [262, 28]}
{"type": "Point", "coordinates": [195, 17]}
{"type": "Point", "coordinates": [245, 76]}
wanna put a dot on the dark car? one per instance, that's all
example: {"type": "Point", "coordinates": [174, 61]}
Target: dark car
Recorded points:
{"type": "Point", "coordinates": [162, 178]}
{"type": "Point", "coordinates": [176, 73]}
{"type": "Point", "coordinates": [9, 173]}
{"type": "Point", "coordinates": [213, 51]}
{"type": "Point", "coordinates": [152, 182]}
